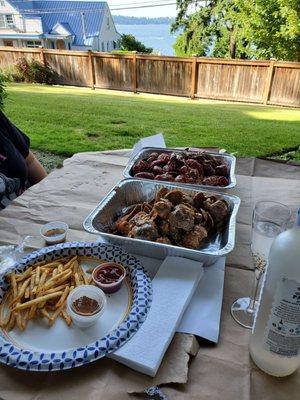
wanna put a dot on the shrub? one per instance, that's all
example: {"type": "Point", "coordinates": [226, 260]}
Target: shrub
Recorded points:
{"type": "Point", "coordinates": [10, 74]}
{"type": "Point", "coordinates": [130, 43]}
{"type": "Point", "coordinates": [2, 92]}
{"type": "Point", "coordinates": [22, 67]}
{"type": "Point", "coordinates": [16, 77]}
{"type": "Point", "coordinates": [33, 71]}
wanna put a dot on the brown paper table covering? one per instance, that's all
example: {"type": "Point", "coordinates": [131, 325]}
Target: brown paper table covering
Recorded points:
{"type": "Point", "coordinates": [222, 372]}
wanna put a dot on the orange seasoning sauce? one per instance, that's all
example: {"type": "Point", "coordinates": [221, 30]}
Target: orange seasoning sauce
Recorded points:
{"type": "Point", "coordinates": [54, 232]}
{"type": "Point", "coordinates": [86, 306]}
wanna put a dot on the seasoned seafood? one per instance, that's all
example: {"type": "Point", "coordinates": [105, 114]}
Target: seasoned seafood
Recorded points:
{"type": "Point", "coordinates": [174, 217]}
{"type": "Point", "coordinates": [147, 231]}
{"type": "Point", "coordinates": [185, 167]}
{"type": "Point", "coordinates": [162, 208]}
{"type": "Point", "coordinates": [182, 217]}
{"type": "Point", "coordinates": [194, 238]}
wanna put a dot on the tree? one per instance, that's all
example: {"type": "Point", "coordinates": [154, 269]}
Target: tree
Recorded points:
{"type": "Point", "coordinates": [130, 43]}
{"type": "Point", "coordinates": [239, 28]}
{"type": "Point", "coordinates": [274, 28]}
{"type": "Point", "coordinates": [216, 27]}
{"type": "Point", "coordinates": [195, 38]}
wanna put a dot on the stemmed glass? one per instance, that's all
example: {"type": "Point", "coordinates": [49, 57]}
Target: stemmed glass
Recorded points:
{"type": "Point", "coordinates": [268, 220]}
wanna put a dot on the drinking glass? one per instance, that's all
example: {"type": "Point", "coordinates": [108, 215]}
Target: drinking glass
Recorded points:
{"type": "Point", "coordinates": [268, 220]}
{"type": "Point", "coordinates": [12, 253]}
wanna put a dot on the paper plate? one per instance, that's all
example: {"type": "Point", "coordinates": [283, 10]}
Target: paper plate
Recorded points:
{"type": "Point", "coordinates": [40, 348]}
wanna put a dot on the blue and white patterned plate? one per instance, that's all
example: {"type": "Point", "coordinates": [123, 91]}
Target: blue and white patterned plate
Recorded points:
{"type": "Point", "coordinates": [59, 359]}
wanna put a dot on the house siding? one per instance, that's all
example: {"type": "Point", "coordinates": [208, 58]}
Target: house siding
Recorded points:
{"type": "Point", "coordinates": [33, 25]}
{"type": "Point", "coordinates": [8, 9]}
{"type": "Point", "coordinates": [21, 24]}
{"type": "Point", "coordinates": [108, 33]}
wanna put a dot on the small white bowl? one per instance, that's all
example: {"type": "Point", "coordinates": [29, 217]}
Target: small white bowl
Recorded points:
{"type": "Point", "coordinates": [59, 238]}
{"type": "Point", "coordinates": [93, 292]}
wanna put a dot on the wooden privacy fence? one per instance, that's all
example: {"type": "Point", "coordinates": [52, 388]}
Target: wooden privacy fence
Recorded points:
{"type": "Point", "coordinates": [264, 82]}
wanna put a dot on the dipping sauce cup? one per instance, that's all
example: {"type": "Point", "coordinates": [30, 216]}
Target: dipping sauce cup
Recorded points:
{"type": "Point", "coordinates": [109, 276]}
{"type": "Point", "coordinates": [54, 232]}
{"type": "Point", "coordinates": [85, 304]}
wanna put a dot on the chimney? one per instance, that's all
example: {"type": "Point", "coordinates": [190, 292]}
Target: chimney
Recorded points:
{"type": "Point", "coordinates": [83, 25]}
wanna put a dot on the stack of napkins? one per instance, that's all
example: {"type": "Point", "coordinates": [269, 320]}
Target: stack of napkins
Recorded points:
{"type": "Point", "coordinates": [173, 287]}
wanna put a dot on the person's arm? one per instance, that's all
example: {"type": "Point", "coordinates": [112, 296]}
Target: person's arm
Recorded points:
{"type": "Point", "coordinates": [36, 172]}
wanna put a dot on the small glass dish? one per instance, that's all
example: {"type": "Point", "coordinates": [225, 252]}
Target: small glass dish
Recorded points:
{"type": "Point", "coordinates": [113, 286]}
{"type": "Point", "coordinates": [54, 232]}
{"type": "Point", "coordinates": [92, 292]}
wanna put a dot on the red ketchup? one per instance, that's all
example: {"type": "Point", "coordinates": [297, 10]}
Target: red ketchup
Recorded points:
{"type": "Point", "coordinates": [109, 274]}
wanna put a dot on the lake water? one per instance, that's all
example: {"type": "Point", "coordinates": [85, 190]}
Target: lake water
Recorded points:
{"type": "Point", "coordinates": [157, 36]}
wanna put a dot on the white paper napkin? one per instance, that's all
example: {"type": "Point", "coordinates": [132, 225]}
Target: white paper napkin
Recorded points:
{"type": "Point", "coordinates": [202, 316]}
{"type": "Point", "coordinates": [173, 287]}
{"type": "Point", "coordinates": [149, 141]}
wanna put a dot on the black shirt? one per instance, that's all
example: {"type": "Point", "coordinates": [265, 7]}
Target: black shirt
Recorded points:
{"type": "Point", "coordinates": [14, 149]}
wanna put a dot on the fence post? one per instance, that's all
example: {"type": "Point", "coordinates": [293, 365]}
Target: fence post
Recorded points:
{"type": "Point", "coordinates": [268, 84]}
{"type": "Point", "coordinates": [92, 69]}
{"type": "Point", "coordinates": [42, 56]}
{"type": "Point", "coordinates": [134, 72]}
{"type": "Point", "coordinates": [194, 77]}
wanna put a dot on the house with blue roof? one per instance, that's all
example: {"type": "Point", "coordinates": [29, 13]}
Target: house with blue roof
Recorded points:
{"type": "Point", "coordinates": [58, 24]}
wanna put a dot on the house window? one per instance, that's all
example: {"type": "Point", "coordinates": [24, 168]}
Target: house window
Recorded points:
{"type": "Point", "coordinates": [2, 3]}
{"type": "Point", "coordinates": [102, 46]}
{"type": "Point", "coordinates": [6, 20]}
{"type": "Point", "coordinates": [33, 43]}
{"type": "Point", "coordinates": [69, 46]}
{"type": "Point", "coordinates": [9, 19]}
{"type": "Point", "coordinates": [107, 46]}
{"type": "Point", "coordinates": [107, 22]}
{"type": "Point", "coordinates": [8, 43]}
{"type": "Point", "coordinates": [114, 44]}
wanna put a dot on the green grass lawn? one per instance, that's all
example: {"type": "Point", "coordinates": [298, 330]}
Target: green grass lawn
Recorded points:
{"type": "Point", "coordinates": [66, 120]}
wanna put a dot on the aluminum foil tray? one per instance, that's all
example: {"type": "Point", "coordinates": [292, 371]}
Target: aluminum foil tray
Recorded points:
{"type": "Point", "coordinates": [146, 151]}
{"type": "Point", "coordinates": [132, 191]}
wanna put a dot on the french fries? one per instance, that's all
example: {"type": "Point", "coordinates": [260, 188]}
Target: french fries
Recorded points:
{"type": "Point", "coordinates": [41, 292]}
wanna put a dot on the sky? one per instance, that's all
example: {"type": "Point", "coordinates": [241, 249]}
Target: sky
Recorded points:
{"type": "Point", "coordinates": [151, 12]}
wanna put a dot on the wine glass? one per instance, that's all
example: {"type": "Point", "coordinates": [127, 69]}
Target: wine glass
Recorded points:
{"type": "Point", "coordinates": [268, 220]}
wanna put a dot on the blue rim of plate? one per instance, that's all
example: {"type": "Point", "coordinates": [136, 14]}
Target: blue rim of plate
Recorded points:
{"type": "Point", "coordinates": [53, 361]}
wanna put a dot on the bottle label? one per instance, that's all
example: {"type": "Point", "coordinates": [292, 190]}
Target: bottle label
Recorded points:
{"type": "Point", "coordinates": [282, 334]}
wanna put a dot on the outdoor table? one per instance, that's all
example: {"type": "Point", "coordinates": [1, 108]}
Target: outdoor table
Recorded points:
{"type": "Point", "coordinates": [223, 371]}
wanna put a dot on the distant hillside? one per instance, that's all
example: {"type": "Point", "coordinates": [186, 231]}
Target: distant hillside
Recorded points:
{"type": "Point", "coordinates": [124, 20]}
